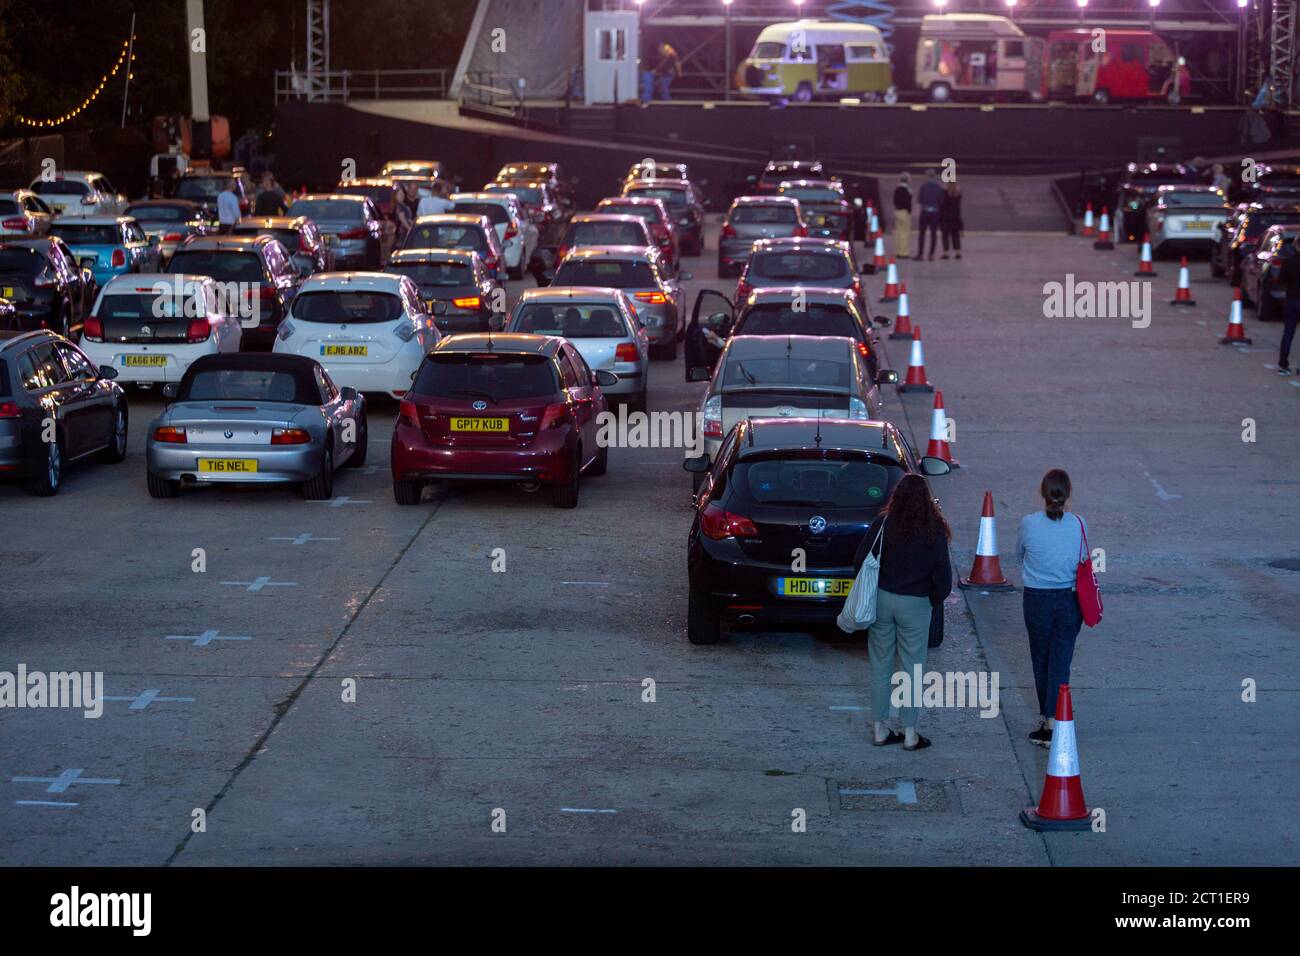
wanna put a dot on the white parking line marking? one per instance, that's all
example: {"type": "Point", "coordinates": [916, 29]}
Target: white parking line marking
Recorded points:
{"type": "Point", "coordinates": [263, 582]}
{"type": "Point", "coordinates": [342, 500]}
{"type": "Point", "coordinates": [1160, 490]}
{"type": "Point", "coordinates": [594, 584]}
{"type": "Point", "coordinates": [905, 792]}
{"type": "Point", "coordinates": [66, 779]}
{"type": "Point", "coordinates": [302, 538]}
{"type": "Point", "coordinates": [146, 697]}
{"type": "Point", "coordinates": [850, 707]}
{"type": "Point", "coordinates": [45, 803]}
{"type": "Point", "coordinates": [206, 638]}
{"type": "Point", "coordinates": [584, 810]}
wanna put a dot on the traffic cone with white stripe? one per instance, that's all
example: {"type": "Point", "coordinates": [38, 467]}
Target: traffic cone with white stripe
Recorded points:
{"type": "Point", "coordinates": [891, 282]}
{"type": "Point", "coordinates": [916, 380]}
{"type": "Point", "coordinates": [876, 231]}
{"type": "Point", "coordinates": [1104, 241]}
{"type": "Point", "coordinates": [877, 256]}
{"type": "Point", "coordinates": [986, 572]}
{"type": "Point", "coordinates": [938, 447]}
{"type": "Point", "coordinates": [1183, 295]}
{"type": "Point", "coordinates": [1146, 269]}
{"type": "Point", "coordinates": [903, 321]}
{"type": "Point", "coordinates": [1061, 806]}
{"type": "Point", "coordinates": [1236, 334]}
{"type": "Point", "coordinates": [1087, 222]}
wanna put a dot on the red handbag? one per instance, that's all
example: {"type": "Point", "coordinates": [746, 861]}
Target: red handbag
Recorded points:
{"type": "Point", "coordinates": [1085, 582]}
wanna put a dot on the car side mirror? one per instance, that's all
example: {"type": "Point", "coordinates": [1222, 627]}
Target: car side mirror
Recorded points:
{"type": "Point", "coordinates": [685, 276]}
{"type": "Point", "coordinates": [415, 373]}
{"type": "Point", "coordinates": [349, 393]}
{"type": "Point", "coordinates": [933, 467]}
{"type": "Point", "coordinates": [108, 372]}
{"type": "Point", "coordinates": [603, 378]}
{"type": "Point", "coordinates": [171, 390]}
{"type": "Point", "coordinates": [887, 376]}
{"type": "Point", "coordinates": [697, 465]}
{"type": "Point", "coordinates": [698, 373]}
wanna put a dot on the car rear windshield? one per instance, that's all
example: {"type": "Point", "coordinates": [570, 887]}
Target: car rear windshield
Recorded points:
{"type": "Point", "coordinates": [673, 198]}
{"type": "Point", "coordinates": [749, 372]}
{"type": "Point", "coordinates": [496, 376]}
{"type": "Point", "coordinates": [356, 306]}
{"type": "Point", "coordinates": [1176, 198]}
{"type": "Point", "coordinates": [573, 320]}
{"type": "Point", "coordinates": [21, 261]}
{"type": "Point", "coordinates": [799, 266]}
{"type": "Point", "coordinates": [815, 482]}
{"type": "Point", "coordinates": [380, 194]}
{"type": "Point", "coordinates": [75, 235]}
{"type": "Point", "coordinates": [8, 207]}
{"type": "Point", "coordinates": [496, 214]}
{"type": "Point", "coordinates": [201, 187]}
{"type": "Point", "coordinates": [610, 273]}
{"type": "Point", "coordinates": [224, 264]}
{"type": "Point", "coordinates": [605, 234]}
{"type": "Point", "coordinates": [764, 214]}
{"type": "Point", "coordinates": [812, 193]}
{"type": "Point", "coordinates": [782, 319]}
{"type": "Point", "coordinates": [159, 213]}
{"type": "Point", "coordinates": [288, 237]}
{"type": "Point", "coordinates": [164, 304]}
{"type": "Point", "coordinates": [328, 210]}
{"type": "Point", "coordinates": [531, 196]}
{"type": "Point", "coordinates": [434, 273]}
{"type": "Point", "coordinates": [645, 211]}
{"type": "Point", "coordinates": [61, 187]}
{"type": "Point", "coordinates": [446, 235]}
{"type": "Point", "coordinates": [249, 385]}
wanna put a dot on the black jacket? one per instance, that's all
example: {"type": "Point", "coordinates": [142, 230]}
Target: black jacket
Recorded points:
{"type": "Point", "coordinates": [1290, 275]}
{"type": "Point", "coordinates": [911, 566]}
{"type": "Point", "coordinates": [950, 212]}
{"type": "Point", "coordinates": [903, 199]}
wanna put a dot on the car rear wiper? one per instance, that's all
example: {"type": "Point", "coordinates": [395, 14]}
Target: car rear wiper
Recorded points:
{"type": "Point", "coordinates": [740, 367]}
{"type": "Point", "coordinates": [467, 392]}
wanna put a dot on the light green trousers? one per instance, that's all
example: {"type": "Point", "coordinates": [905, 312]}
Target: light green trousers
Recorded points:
{"type": "Point", "coordinates": [901, 633]}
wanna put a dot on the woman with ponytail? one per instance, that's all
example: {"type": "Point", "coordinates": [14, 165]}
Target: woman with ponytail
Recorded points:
{"type": "Point", "coordinates": [1049, 545]}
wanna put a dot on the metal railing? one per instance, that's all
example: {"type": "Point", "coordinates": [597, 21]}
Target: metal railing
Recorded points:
{"type": "Point", "coordinates": [339, 86]}
{"type": "Point", "coordinates": [492, 92]}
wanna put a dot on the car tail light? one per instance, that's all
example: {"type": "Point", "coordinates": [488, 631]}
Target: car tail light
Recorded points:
{"type": "Point", "coordinates": [468, 302]}
{"type": "Point", "coordinates": [626, 352]}
{"type": "Point", "coordinates": [172, 237]}
{"type": "Point", "coordinates": [857, 286]}
{"type": "Point", "coordinates": [10, 410]}
{"type": "Point", "coordinates": [556, 414]}
{"type": "Point", "coordinates": [119, 258]}
{"type": "Point", "coordinates": [266, 292]}
{"type": "Point", "coordinates": [490, 263]}
{"type": "Point", "coordinates": [863, 350]}
{"type": "Point", "coordinates": [93, 329]}
{"type": "Point", "coordinates": [290, 436]}
{"type": "Point", "coordinates": [717, 523]}
{"type": "Point", "coordinates": [199, 330]}
{"type": "Point", "coordinates": [728, 231]}
{"type": "Point", "coordinates": [560, 253]}
{"type": "Point", "coordinates": [20, 224]}
{"type": "Point", "coordinates": [743, 289]}
{"type": "Point", "coordinates": [358, 233]}
{"type": "Point", "coordinates": [169, 435]}
{"type": "Point", "coordinates": [801, 232]}
{"type": "Point", "coordinates": [713, 417]}
{"type": "Point", "coordinates": [408, 414]}
{"type": "Point", "coordinates": [654, 298]}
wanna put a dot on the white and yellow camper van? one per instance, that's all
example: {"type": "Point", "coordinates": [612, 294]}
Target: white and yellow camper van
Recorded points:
{"type": "Point", "coordinates": [803, 60]}
{"type": "Point", "coordinates": [978, 56]}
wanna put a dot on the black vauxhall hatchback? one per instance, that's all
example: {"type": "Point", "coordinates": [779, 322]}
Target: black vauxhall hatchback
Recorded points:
{"type": "Point", "coordinates": [781, 484]}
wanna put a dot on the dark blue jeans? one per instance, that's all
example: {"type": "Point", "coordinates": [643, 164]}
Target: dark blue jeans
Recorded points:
{"type": "Point", "coordinates": [1053, 619]}
{"type": "Point", "coordinates": [1290, 316]}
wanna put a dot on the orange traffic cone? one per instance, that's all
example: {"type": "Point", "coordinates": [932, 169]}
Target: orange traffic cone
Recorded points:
{"type": "Point", "coordinates": [1103, 232]}
{"type": "Point", "coordinates": [876, 231]}
{"type": "Point", "coordinates": [1087, 222]}
{"type": "Point", "coordinates": [1236, 334]}
{"type": "Point", "coordinates": [1145, 266]}
{"type": "Point", "coordinates": [938, 447]}
{"type": "Point", "coordinates": [1062, 806]}
{"type": "Point", "coordinates": [916, 380]}
{"type": "Point", "coordinates": [891, 282]}
{"type": "Point", "coordinates": [877, 257]}
{"type": "Point", "coordinates": [986, 572]}
{"type": "Point", "coordinates": [903, 321]}
{"type": "Point", "coordinates": [1183, 296]}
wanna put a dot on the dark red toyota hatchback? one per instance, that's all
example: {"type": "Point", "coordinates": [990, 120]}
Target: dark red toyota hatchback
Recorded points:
{"type": "Point", "coordinates": [501, 408]}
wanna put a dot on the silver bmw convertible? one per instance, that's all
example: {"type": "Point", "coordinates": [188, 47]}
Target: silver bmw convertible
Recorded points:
{"type": "Point", "coordinates": [244, 417]}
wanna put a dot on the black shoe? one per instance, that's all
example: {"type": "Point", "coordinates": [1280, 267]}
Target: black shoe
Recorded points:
{"type": "Point", "coordinates": [1042, 736]}
{"type": "Point", "coordinates": [1285, 370]}
{"type": "Point", "coordinates": [944, 256]}
{"type": "Point", "coordinates": [921, 743]}
{"type": "Point", "coordinates": [959, 255]}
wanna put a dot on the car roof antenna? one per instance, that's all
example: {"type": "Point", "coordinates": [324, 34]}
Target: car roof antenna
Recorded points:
{"type": "Point", "coordinates": [817, 439]}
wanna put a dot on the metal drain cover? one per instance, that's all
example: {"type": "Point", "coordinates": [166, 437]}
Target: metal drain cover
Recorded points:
{"type": "Point", "coordinates": [906, 794]}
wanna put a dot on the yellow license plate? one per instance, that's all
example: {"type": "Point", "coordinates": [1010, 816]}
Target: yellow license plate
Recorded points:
{"type": "Point", "coordinates": [362, 350]}
{"type": "Point", "coordinates": [814, 587]}
{"type": "Point", "coordinates": [227, 466]}
{"type": "Point", "coordinates": [480, 424]}
{"type": "Point", "coordinates": [145, 360]}
{"type": "Point", "coordinates": [7, 292]}
{"type": "Point", "coordinates": [1199, 226]}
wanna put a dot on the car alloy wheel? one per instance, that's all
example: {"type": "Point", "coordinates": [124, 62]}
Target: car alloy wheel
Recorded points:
{"type": "Point", "coordinates": [49, 482]}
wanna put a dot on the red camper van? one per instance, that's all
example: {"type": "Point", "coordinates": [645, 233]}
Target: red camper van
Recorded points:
{"type": "Point", "coordinates": [1135, 65]}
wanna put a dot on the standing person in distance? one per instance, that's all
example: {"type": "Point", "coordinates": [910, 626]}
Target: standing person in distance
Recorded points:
{"type": "Point", "coordinates": [1290, 277]}
{"type": "Point", "coordinates": [930, 199]}
{"type": "Point", "coordinates": [903, 216]}
{"type": "Point", "coordinates": [950, 219]}
{"type": "Point", "coordinates": [227, 209]}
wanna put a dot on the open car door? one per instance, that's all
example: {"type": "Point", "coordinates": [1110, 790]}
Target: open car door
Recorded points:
{"type": "Point", "coordinates": [706, 335]}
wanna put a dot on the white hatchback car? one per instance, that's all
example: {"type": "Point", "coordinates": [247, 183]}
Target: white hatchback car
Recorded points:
{"type": "Point", "coordinates": [519, 235]}
{"type": "Point", "coordinates": [77, 192]}
{"type": "Point", "coordinates": [369, 329]}
{"type": "Point", "coordinates": [150, 327]}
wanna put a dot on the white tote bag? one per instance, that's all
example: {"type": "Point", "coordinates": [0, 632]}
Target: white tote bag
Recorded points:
{"type": "Point", "coordinates": [860, 606]}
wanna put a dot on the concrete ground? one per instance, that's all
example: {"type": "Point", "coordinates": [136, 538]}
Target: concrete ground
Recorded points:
{"type": "Point", "coordinates": [520, 696]}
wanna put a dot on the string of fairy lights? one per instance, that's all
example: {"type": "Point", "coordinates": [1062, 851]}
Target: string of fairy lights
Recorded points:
{"type": "Point", "coordinates": [123, 60]}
